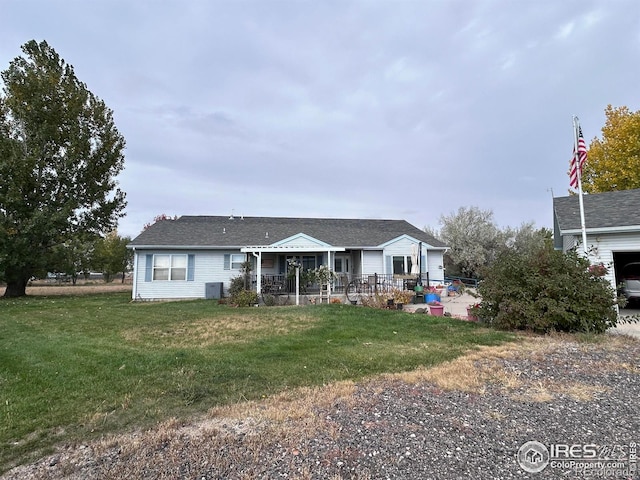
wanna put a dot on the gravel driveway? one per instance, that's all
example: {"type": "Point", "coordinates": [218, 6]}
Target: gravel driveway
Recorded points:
{"type": "Point", "coordinates": [632, 329]}
{"type": "Point", "coordinates": [464, 419]}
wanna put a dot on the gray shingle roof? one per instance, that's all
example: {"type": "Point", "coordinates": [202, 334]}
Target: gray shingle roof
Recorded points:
{"type": "Point", "coordinates": [221, 231]}
{"type": "Point", "coordinates": [601, 210]}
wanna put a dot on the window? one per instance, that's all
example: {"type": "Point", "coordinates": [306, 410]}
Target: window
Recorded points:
{"type": "Point", "coordinates": [178, 267]}
{"type": "Point", "coordinates": [308, 262]}
{"type": "Point", "coordinates": [237, 259]}
{"type": "Point", "coordinates": [341, 265]}
{"type": "Point", "coordinates": [234, 261]}
{"type": "Point", "coordinates": [161, 265]}
{"type": "Point", "coordinates": [169, 267]}
{"type": "Point", "coordinates": [401, 265]}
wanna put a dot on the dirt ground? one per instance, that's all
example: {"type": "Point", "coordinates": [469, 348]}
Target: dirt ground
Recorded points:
{"type": "Point", "coordinates": [460, 419]}
{"type": "Point", "coordinates": [81, 287]}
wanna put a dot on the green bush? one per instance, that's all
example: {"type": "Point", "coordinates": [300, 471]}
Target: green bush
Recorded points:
{"type": "Point", "coordinates": [244, 298]}
{"type": "Point", "coordinates": [236, 286]}
{"type": "Point", "coordinates": [242, 282]}
{"type": "Point", "coordinates": [546, 290]}
{"type": "Point", "coordinates": [239, 295]}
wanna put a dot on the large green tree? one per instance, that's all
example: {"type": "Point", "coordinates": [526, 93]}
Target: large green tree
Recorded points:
{"type": "Point", "coordinates": [527, 238]}
{"type": "Point", "coordinates": [473, 238]}
{"type": "Point", "coordinates": [475, 241]}
{"type": "Point", "coordinates": [111, 256]}
{"type": "Point", "coordinates": [613, 162]}
{"type": "Point", "coordinates": [60, 153]}
{"type": "Point", "coordinates": [73, 258]}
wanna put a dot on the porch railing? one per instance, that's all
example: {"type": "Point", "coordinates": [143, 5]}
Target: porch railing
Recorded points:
{"type": "Point", "coordinates": [377, 283]}
{"type": "Point", "coordinates": [469, 282]}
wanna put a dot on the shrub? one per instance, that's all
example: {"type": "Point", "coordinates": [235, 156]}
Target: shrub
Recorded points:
{"type": "Point", "coordinates": [323, 275]}
{"type": "Point", "coordinates": [236, 286]}
{"type": "Point", "coordinates": [546, 290]}
{"type": "Point", "coordinates": [244, 298]}
{"type": "Point", "coordinates": [375, 300]}
{"type": "Point", "coordinates": [402, 296]}
{"type": "Point", "coordinates": [239, 295]}
{"type": "Point", "coordinates": [275, 300]}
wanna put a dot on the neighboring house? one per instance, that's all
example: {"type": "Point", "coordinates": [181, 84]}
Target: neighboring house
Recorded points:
{"type": "Point", "coordinates": [181, 258]}
{"type": "Point", "coordinates": [612, 221]}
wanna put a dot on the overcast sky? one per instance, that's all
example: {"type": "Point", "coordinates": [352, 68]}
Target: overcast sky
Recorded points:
{"type": "Point", "coordinates": [349, 109]}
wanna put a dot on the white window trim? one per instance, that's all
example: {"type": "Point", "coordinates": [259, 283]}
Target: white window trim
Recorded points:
{"type": "Point", "coordinates": [406, 262]}
{"type": "Point", "coordinates": [236, 260]}
{"type": "Point", "coordinates": [170, 268]}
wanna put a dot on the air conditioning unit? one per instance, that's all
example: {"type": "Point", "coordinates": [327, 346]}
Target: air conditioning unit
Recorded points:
{"type": "Point", "coordinates": [213, 290]}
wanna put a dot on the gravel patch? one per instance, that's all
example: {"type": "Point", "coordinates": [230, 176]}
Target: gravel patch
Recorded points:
{"type": "Point", "coordinates": [551, 390]}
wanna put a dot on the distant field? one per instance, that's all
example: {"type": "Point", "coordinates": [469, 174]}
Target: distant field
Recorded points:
{"type": "Point", "coordinates": [82, 287]}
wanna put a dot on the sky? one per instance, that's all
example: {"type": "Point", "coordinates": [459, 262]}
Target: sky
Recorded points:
{"type": "Point", "coordinates": [403, 109]}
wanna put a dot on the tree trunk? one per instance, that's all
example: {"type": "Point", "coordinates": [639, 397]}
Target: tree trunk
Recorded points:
{"type": "Point", "coordinates": [16, 288]}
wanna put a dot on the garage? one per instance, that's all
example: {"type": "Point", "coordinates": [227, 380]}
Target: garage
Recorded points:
{"type": "Point", "coordinates": [627, 274]}
{"type": "Point", "coordinates": [612, 224]}
{"type": "Point", "coordinates": [621, 259]}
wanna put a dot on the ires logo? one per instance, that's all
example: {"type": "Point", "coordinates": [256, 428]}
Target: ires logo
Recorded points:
{"type": "Point", "coordinates": [561, 451]}
{"type": "Point", "coordinates": [587, 459]}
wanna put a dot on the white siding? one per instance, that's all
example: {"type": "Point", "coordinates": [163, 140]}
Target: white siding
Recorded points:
{"type": "Point", "coordinates": [569, 241]}
{"type": "Point", "coordinates": [604, 245]}
{"type": "Point", "coordinates": [435, 266]}
{"type": "Point", "coordinates": [301, 241]}
{"type": "Point", "coordinates": [372, 262]}
{"type": "Point", "coordinates": [208, 267]}
{"type": "Point", "coordinates": [403, 246]}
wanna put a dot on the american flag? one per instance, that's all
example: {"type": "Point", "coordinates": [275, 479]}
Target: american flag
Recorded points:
{"type": "Point", "coordinates": [575, 167]}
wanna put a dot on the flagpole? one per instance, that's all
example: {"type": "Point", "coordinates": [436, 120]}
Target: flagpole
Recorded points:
{"type": "Point", "coordinates": [576, 127]}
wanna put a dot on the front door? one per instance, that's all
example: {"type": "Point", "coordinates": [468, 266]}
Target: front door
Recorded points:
{"type": "Point", "coordinates": [342, 268]}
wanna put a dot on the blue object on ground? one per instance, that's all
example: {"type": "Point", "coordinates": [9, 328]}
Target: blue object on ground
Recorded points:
{"type": "Point", "coordinates": [432, 297]}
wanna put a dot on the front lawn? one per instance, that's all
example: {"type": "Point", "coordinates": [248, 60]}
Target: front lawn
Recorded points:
{"type": "Point", "coordinates": [76, 367]}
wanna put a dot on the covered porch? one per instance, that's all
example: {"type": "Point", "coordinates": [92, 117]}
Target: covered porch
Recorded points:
{"type": "Point", "coordinates": [273, 267]}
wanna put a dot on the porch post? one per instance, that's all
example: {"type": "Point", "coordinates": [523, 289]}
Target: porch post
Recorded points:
{"type": "Point", "coordinates": [297, 285]}
{"type": "Point", "coordinates": [330, 266]}
{"type": "Point", "coordinates": [134, 289]}
{"type": "Point", "coordinates": [258, 271]}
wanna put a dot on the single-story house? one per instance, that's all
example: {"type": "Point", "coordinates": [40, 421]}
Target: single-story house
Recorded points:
{"type": "Point", "coordinates": [612, 224]}
{"type": "Point", "coordinates": [193, 256]}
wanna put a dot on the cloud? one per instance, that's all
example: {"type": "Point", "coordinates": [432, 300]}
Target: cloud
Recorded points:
{"type": "Point", "coordinates": [372, 109]}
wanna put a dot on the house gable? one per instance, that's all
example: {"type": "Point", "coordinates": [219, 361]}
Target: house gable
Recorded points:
{"type": "Point", "coordinates": [301, 240]}
{"type": "Point", "coordinates": [405, 239]}
{"type": "Point", "coordinates": [409, 240]}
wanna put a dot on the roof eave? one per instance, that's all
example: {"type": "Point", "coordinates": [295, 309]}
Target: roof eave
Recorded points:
{"type": "Point", "coordinates": [624, 229]}
{"type": "Point", "coordinates": [183, 247]}
{"type": "Point", "coordinates": [240, 247]}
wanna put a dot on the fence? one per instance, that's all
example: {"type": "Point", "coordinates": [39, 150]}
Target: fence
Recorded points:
{"type": "Point", "coordinates": [372, 283]}
{"type": "Point", "coordinates": [468, 282]}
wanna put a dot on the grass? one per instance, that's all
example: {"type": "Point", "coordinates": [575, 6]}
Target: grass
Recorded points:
{"type": "Point", "coordinates": [74, 368]}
